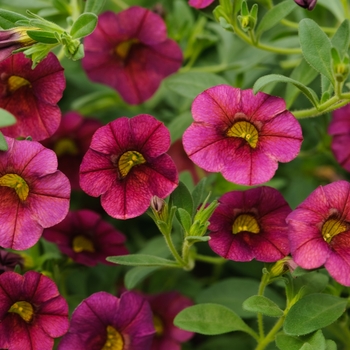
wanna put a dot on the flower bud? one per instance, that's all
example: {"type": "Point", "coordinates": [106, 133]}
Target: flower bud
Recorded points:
{"type": "Point", "coordinates": [283, 266]}
{"type": "Point", "coordinates": [308, 4]}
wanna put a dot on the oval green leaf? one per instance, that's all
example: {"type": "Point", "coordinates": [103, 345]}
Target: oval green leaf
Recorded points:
{"type": "Point", "coordinates": [42, 36]}
{"type": "Point", "coordinates": [3, 144]}
{"type": "Point", "coordinates": [6, 118]}
{"type": "Point", "coordinates": [259, 303]}
{"type": "Point", "coordinates": [84, 25]}
{"type": "Point", "coordinates": [142, 260]}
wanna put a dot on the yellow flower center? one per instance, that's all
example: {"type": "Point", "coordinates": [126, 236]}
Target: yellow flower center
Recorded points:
{"type": "Point", "coordinates": [65, 146]}
{"type": "Point", "coordinates": [114, 340]}
{"type": "Point", "coordinates": [14, 83]}
{"type": "Point", "coordinates": [83, 244]}
{"type": "Point", "coordinates": [333, 227]}
{"type": "Point", "coordinates": [123, 49]}
{"type": "Point", "coordinates": [246, 131]}
{"type": "Point", "coordinates": [245, 222]}
{"type": "Point", "coordinates": [128, 160]}
{"type": "Point", "coordinates": [158, 325]}
{"type": "Point", "coordinates": [24, 309]}
{"type": "Point", "coordinates": [17, 183]}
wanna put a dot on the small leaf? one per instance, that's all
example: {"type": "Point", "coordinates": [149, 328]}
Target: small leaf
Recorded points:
{"type": "Point", "coordinates": [179, 124]}
{"type": "Point", "coordinates": [137, 274]}
{"type": "Point", "coordinates": [331, 345]}
{"type": "Point", "coordinates": [8, 19]}
{"type": "Point", "coordinates": [198, 194]}
{"type": "Point", "coordinates": [94, 6]}
{"type": "Point", "coordinates": [198, 238]}
{"type": "Point", "coordinates": [61, 5]}
{"type": "Point", "coordinates": [142, 260]}
{"type": "Point", "coordinates": [6, 118]}
{"type": "Point", "coordinates": [181, 198]}
{"type": "Point", "coordinates": [3, 143]}
{"type": "Point", "coordinates": [259, 303]}
{"type": "Point", "coordinates": [334, 7]}
{"type": "Point", "coordinates": [341, 39]}
{"type": "Point", "coordinates": [42, 36]}
{"type": "Point", "coordinates": [185, 219]}
{"type": "Point", "coordinates": [84, 25]}
{"type": "Point", "coordinates": [210, 319]}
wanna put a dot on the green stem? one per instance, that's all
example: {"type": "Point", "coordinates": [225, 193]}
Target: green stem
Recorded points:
{"type": "Point", "coordinates": [75, 9]}
{"type": "Point", "coordinates": [262, 286]}
{"type": "Point", "coordinates": [346, 8]}
{"type": "Point", "coordinates": [295, 25]}
{"type": "Point", "coordinates": [121, 4]}
{"type": "Point", "coordinates": [271, 335]}
{"type": "Point", "coordinates": [210, 259]}
{"type": "Point", "coordinates": [173, 250]}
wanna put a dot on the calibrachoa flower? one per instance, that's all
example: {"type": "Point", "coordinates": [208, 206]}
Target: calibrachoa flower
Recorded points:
{"type": "Point", "coordinates": [241, 134]}
{"type": "Point", "coordinates": [250, 224]}
{"type": "Point", "coordinates": [308, 4]}
{"type": "Point", "coordinates": [86, 238]}
{"type": "Point", "coordinates": [130, 52]}
{"type": "Point", "coordinates": [200, 4]}
{"type": "Point", "coordinates": [9, 260]}
{"type": "Point", "coordinates": [127, 165]}
{"type": "Point", "coordinates": [165, 307]}
{"type": "Point", "coordinates": [339, 128]}
{"type": "Point", "coordinates": [32, 312]}
{"type": "Point", "coordinates": [70, 143]}
{"type": "Point", "coordinates": [319, 231]}
{"type": "Point", "coordinates": [34, 194]}
{"type": "Point", "coordinates": [103, 321]}
{"type": "Point", "coordinates": [31, 95]}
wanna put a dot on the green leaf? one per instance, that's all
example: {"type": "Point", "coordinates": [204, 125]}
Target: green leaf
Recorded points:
{"type": "Point", "coordinates": [311, 282]}
{"type": "Point", "coordinates": [316, 47]}
{"type": "Point", "coordinates": [84, 25]}
{"type": "Point", "coordinates": [185, 219]}
{"type": "Point", "coordinates": [94, 6]}
{"type": "Point", "coordinates": [267, 79]}
{"type": "Point", "coordinates": [341, 39]}
{"type": "Point", "coordinates": [142, 260]}
{"type": "Point", "coordinates": [8, 19]}
{"type": "Point", "coordinates": [313, 312]}
{"type": "Point", "coordinates": [6, 118]}
{"type": "Point", "coordinates": [137, 274]}
{"type": "Point", "coordinates": [3, 143]}
{"type": "Point", "coordinates": [315, 341]}
{"type": "Point", "coordinates": [210, 319]}
{"type": "Point", "coordinates": [335, 7]}
{"type": "Point", "coordinates": [191, 84]}
{"type": "Point", "coordinates": [61, 5]}
{"type": "Point", "coordinates": [273, 16]}
{"type": "Point", "coordinates": [195, 239]}
{"type": "Point", "coordinates": [42, 36]}
{"type": "Point", "coordinates": [181, 198]}
{"type": "Point", "coordinates": [25, 4]}
{"type": "Point", "coordinates": [198, 194]}
{"type": "Point", "coordinates": [331, 345]}
{"type": "Point", "coordinates": [259, 303]}
{"type": "Point", "coordinates": [179, 124]}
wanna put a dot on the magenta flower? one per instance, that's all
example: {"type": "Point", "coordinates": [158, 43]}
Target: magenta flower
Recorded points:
{"type": "Point", "coordinates": [34, 194]}
{"type": "Point", "coordinates": [70, 143]}
{"type": "Point", "coordinates": [31, 95]}
{"type": "Point", "coordinates": [250, 224]}
{"type": "Point", "coordinates": [103, 321]}
{"type": "Point", "coordinates": [339, 128]}
{"type": "Point", "coordinates": [32, 312]}
{"type": "Point", "coordinates": [200, 4]}
{"type": "Point", "coordinates": [86, 238]}
{"type": "Point", "coordinates": [241, 134]}
{"type": "Point", "coordinates": [319, 231]}
{"type": "Point", "coordinates": [308, 4]}
{"type": "Point", "coordinates": [9, 260]}
{"type": "Point", "coordinates": [127, 165]}
{"type": "Point", "coordinates": [165, 307]}
{"type": "Point", "coordinates": [130, 52]}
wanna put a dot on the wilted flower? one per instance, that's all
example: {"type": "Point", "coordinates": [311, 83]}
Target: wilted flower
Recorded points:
{"type": "Point", "coordinates": [34, 194]}
{"type": "Point", "coordinates": [127, 165]}
{"type": "Point", "coordinates": [241, 134]}
{"type": "Point", "coordinates": [130, 52]}
{"type": "Point", "coordinates": [31, 95]}
{"type": "Point", "coordinates": [200, 4]}
{"type": "Point", "coordinates": [9, 260]}
{"type": "Point", "coordinates": [250, 224]}
{"type": "Point", "coordinates": [103, 321]}
{"type": "Point", "coordinates": [319, 231]}
{"type": "Point", "coordinates": [32, 312]}
{"type": "Point", "coordinates": [86, 238]}
{"type": "Point", "coordinates": [308, 4]}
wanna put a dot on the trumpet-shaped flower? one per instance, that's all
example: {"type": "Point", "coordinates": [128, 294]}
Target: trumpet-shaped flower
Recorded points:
{"type": "Point", "coordinates": [250, 224]}
{"type": "Point", "coordinates": [127, 165]}
{"type": "Point", "coordinates": [32, 312]}
{"type": "Point", "coordinates": [34, 194]}
{"type": "Point", "coordinates": [130, 52]}
{"type": "Point", "coordinates": [240, 134]}
{"type": "Point", "coordinates": [319, 231]}
{"type": "Point", "coordinates": [31, 95]}
{"type": "Point", "coordinates": [86, 238]}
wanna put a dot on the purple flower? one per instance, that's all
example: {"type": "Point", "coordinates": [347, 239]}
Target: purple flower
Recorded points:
{"type": "Point", "coordinates": [200, 4]}
{"type": "Point", "coordinates": [319, 231]}
{"type": "Point", "coordinates": [32, 312]}
{"type": "Point", "coordinates": [250, 224]}
{"type": "Point", "coordinates": [34, 194]}
{"type": "Point", "coordinates": [127, 165]}
{"type": "Point", "coordinates": [9, 260]}
{"type": "Point", "coordinates": [86, 238]}
{"type": "Point", "coordinates": [103, 321]}
{"type": "Point", "coordinates": [31, 95]}
{"type": "Point", "coordinates": [241, 134]}
{"type": "Point", "coordinates": [308, 4]}
{"type": "Point", "coordinates": [130, 52]}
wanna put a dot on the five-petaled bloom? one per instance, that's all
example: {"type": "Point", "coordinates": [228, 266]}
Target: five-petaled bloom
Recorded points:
{"type": "Point", "coordinates": [308, 4]}
{"type": "Point", "coordinates": [130, 52]}
{"type": "Point", "coordinates": [250, 224]}
{"type": "Point", "coordinates": [34, 194]}
{"type": "Point", "coordinates": [127, 165]}
{"type": "Point", "coordinates": [103, 321]}
{"type": "Point", "coordinates": [31, 95]}
{"type": "Point", "coordinates": [32, 312]}
{"type": "Point", "coordinates": [241, 134]}
{"type": "Point", "coordinates": [200, 4]}
{"type": "Point", "coordinates": [319, 231]}
{"type": "Point", "coordinates": [86, 238]}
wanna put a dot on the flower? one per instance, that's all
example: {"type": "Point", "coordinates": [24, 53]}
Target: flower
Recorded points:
{"type": "Point", "coordinates": [241, 134]}
{"type": "Point", "coordinates": [200, 4]}
{"type": "Point", "coordinates": [32, 312]}
{"type": "Point", "coordinates": [103, 321]}
{"type": "Point", "coordinates": [130, 52]}
{"type": "Point", "coordinates": [70, 143]}
{"type": "Point", "coordinates": [9, 260]}
{"type": "Point", "coordinates": [127, 166]}
{"type": "Point", "coordinates": [308, 4]}
{"type": "Point", "coordinates": [34, 194]}
{"type": "Point", "coordinates": [339, 128]}
{"type": "Point", "coordinates": [86, 238]}
{"type": "Point", "coordinates": [165, 307]}
{"type": "Point", "coordinates": [31, 95]}
{"type": "Point", "coordinates": [319, 231]}
{"type": "Point", "coordinates": [250, 224]}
